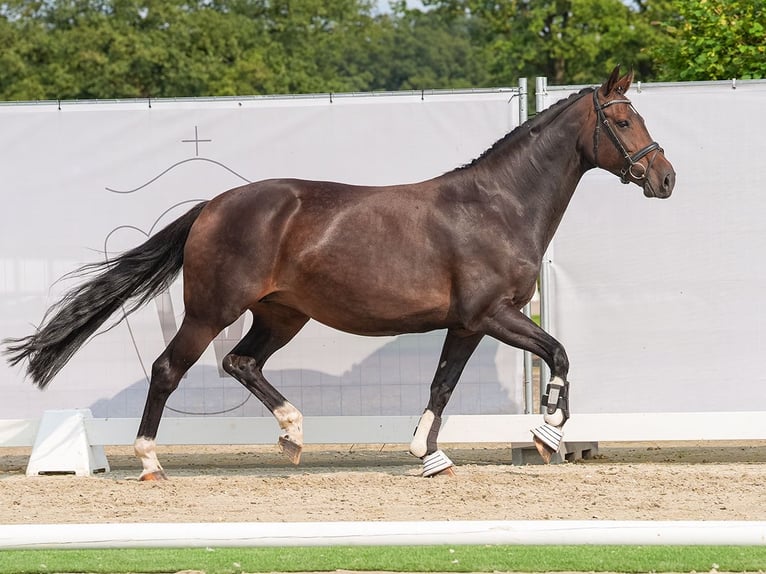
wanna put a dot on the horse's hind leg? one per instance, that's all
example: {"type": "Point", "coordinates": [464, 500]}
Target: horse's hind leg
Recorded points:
{"type": "Point", "coordinates": [182, 352]}
{"type": "Point", "coordinates": [273, 327]}
{"type": "Point", "coordinates": [458, 348]}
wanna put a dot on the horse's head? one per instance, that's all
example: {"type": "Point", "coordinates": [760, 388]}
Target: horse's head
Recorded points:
{"type": "Point", "coordinates": [621, 143]}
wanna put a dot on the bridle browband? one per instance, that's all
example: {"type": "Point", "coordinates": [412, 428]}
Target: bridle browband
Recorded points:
{"type": "Point", "coordinates": [631, 160]}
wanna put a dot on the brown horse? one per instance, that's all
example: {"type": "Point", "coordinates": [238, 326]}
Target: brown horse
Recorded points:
{"type": "Point", "coordinates": [459, 252]}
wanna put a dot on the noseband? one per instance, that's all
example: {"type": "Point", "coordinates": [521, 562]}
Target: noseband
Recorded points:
{"type": "Point", "coordinates": [631, 161]}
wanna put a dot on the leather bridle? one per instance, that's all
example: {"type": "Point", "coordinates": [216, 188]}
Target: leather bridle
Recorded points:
{"type": "Point", "coordinates": [631, 161]}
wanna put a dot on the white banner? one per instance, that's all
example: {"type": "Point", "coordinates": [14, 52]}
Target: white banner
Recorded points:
{"type": "Point", "coordinates": [81, 180]}
{"type": "Point", "coordinates": [660, 304]}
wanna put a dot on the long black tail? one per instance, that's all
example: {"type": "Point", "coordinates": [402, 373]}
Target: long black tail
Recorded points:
{"type": "Point", "coordinates": [130, 281]}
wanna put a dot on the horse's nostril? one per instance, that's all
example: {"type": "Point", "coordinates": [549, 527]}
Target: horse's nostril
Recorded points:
{"type": "Point", "coordinates": [669, 181]}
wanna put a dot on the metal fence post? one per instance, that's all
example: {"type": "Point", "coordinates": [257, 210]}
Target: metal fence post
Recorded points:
{"type": "Point", "coordinates": [527, 310]}
{"type": "Point", "coordinates": [541, 91]}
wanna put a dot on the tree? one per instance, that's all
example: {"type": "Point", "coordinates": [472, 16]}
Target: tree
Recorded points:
{"type": "Point", "coordinates": [17, 78]}
{"type": "Point", "coordinates": [569, 41]}
{"type": "Point", "coordinates": [317, 45]}
{"type": "Point", "coordinates": [421, 51]}
{"type": "Point", "coordinates": [122, 48]}
{"type": "Point", "coordinates": [136, 48]}
{"type": "Point", "coordinates": [710, 39]}
{"type": "Point", "coordinates": [169, 48]}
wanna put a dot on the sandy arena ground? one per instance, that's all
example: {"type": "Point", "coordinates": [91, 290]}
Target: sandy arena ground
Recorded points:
{"type": "Point", "coordinates": [663, 481]}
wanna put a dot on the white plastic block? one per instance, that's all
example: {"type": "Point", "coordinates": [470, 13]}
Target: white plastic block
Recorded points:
{"type": "Point", "coordinates": [62, 446]}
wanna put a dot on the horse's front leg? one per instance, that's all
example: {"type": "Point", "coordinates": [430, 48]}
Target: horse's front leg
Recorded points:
{"type": "Point", "coordinates": [555, 402]}
{"type": "Point", "coordinates": [458, 348]}
{"type": "Point", "coordinates": [512, 327]}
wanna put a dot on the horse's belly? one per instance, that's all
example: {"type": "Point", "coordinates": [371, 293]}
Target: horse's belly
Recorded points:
{"type": "Point", "coordinates": [359, 324]}
{"type": "Point", "coordinates": [370, 309]}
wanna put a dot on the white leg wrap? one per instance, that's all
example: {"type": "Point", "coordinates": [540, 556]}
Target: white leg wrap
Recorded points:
{"type": "Point", "coordinates": [556, 402]}
{"type": "Point", "coordinates": [550, 435]}
{"type": "Point", "coordinates": [557, 419]}
{"type": "Point", "coordinates": [435, 463]}
{"type": "Point", "coordinates": [419, 444]}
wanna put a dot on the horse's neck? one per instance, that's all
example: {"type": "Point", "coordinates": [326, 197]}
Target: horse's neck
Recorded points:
{"type": "Point", "coordinates": [537, 176]}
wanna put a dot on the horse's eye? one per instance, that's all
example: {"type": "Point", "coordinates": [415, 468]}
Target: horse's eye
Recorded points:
{"type": "Point", "coordinates": [623, 123]}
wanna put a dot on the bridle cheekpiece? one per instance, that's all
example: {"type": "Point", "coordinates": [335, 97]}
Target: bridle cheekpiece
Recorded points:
{"type": "Point", "coordinates": [631, 161]}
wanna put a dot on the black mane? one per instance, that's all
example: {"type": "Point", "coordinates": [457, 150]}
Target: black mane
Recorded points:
{"type": "Point", "coordinates": [539, 121]}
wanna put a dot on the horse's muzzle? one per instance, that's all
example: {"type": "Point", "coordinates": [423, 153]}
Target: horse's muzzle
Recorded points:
{"type": "Point", "coordinates": [660, 187]}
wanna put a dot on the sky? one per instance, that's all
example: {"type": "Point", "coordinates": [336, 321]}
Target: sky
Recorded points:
{"type": "Point", "coordinates": [383, 5]}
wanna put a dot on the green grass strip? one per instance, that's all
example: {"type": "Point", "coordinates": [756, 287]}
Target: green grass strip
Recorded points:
{"type": "Point", "coordinates": [395, 559]}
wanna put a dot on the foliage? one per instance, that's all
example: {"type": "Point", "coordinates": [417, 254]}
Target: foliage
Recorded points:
{"type": "Point", "coordinates": [712, 40]}
{"type": "Point", "coordinates": [71, 49]}
{"type": "Point", "coordinates": [121, 48]}
{"type": "Point", "coordinates": [569, 41]}
{"type": "Point", "coordinates": [425, 51]}
{"type": "Point", "coordinates": [128, 48]}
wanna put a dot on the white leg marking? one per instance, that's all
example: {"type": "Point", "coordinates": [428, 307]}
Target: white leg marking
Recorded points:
{"type": "Point", "coordinates": [557, 418]}
{"type": "Point", "coordinates": [290, 420]}
{"type": "Point", "coordinates": [419, 445]}
{"type": "Point", "coordinates": [145, 450]}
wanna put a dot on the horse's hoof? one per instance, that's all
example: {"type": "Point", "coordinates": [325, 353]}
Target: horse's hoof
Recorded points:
{"type": "Point", "coordinates": [291, 449]}
{"type": "Point", "coordinates": [449, 472]}
{"type": "Point", "coordinates": [156, 475]}
{"type": "Point", "coordinates": [545, 451]}
{"type": "Point", "coordinates": [437, 463]}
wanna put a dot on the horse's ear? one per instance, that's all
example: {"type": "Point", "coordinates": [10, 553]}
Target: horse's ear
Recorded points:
{"type": "Point", "coordinates": [617, 84]}
{"type": "Point", "coordinates": [623, 84]}
{"type": "Point", "coordinates": [609, 85]}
